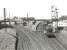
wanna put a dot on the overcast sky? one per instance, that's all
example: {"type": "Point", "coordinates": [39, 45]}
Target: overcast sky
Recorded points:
{"type": "Point", "coordinates": [35, 8]}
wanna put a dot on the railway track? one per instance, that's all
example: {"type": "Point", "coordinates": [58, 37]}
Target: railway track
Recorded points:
{"type": "Point", "coordinates": [56, 44]}
{"type": "Point", "coordinates": [43, 44]}
{"type": "Point", "coordinates": [53, 42]}
{"type": "Point", "coordinates": [61, 44]}
{"type": "Point", "coordinates": [39, 43]}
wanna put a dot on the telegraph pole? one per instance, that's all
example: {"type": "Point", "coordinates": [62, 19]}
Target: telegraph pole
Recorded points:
{"type": "Point", "coordinates": [27, 15]}
{"type": "Point", "coordinates": [9, 19]}
{"type": "Point", "coordinates": [27, 18]}
{"type": "Point", "coordinates": [4, 9]}
{"type": "Point", "coordinates": [54, 16]}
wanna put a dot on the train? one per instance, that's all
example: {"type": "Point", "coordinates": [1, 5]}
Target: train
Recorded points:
{"type": "Point", "coordinates": [51, 31]}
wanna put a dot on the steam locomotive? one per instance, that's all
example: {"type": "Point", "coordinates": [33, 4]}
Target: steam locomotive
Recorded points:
{"type": "Point", "coordinates": [51, 31]}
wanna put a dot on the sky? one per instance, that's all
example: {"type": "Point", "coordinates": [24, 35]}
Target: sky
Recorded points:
{"type": "Point", "coordinates": [39, 9]}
